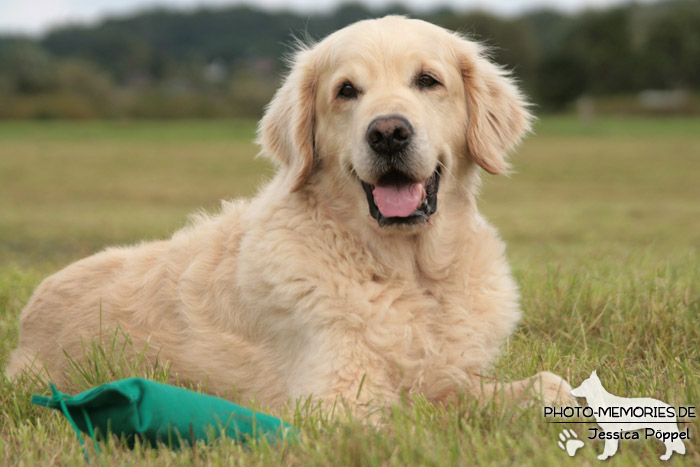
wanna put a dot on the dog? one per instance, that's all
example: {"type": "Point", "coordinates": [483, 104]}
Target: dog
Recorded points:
{"type": "Point", "coordinates": [599, 400]}
{"type": "Point", "coordinates": [362, 270]}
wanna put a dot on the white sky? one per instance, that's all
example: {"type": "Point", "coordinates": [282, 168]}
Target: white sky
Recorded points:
{"type": "Point", "coordinates": [35, 16]}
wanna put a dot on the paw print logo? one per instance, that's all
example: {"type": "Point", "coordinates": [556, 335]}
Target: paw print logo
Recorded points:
{"type": "Point", "coordinates": [569, 442]}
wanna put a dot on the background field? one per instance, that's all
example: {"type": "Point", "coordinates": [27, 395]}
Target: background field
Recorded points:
{"type": "Point", "coordinates": [602, 220]}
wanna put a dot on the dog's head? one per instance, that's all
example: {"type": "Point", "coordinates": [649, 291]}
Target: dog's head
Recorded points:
{"type": "Point", "coordinates": [387, 117]}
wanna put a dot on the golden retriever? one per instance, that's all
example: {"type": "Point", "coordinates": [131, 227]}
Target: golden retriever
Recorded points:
{"type": "Point", "coordinates": [363, 262]}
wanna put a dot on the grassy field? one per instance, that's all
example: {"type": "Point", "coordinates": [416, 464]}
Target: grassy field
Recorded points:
{"type": "Point", "coordinates": [603, 226]}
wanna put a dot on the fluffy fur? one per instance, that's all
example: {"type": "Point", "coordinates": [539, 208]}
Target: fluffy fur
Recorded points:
{"type": "Point", "coordinates": [299, 291]}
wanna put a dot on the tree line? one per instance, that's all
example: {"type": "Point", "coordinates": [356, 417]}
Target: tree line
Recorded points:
{"type": "Point", "coordinates": [223, 62]}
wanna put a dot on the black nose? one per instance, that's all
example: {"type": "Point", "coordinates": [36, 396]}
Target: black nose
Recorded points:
{"type": "Point", "coordinates": [389, 135]}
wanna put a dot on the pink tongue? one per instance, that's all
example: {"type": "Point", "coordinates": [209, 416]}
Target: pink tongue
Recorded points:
{"type": "Point", "coordinates": [398, 201]}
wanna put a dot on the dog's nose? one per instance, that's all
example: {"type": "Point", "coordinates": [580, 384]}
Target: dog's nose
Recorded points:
{"type": "Point", "coordinates": [389, 135]}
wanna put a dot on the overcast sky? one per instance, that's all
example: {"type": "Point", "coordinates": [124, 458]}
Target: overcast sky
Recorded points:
{"type": "Point", "coordinates": [35, 16]}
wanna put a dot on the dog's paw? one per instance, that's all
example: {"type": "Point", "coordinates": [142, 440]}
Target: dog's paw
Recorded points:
{"type": "Point", "coordinates": [553, 390]}
{"type": "Point", "coordinates": [569, 442]}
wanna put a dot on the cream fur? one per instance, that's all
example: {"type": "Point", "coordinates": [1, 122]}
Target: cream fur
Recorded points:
{"type": "Point", "coordinates": [298, 291]}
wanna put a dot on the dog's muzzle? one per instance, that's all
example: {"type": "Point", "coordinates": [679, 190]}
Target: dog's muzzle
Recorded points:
{"type": "Point", "coordinates": [397, 199]}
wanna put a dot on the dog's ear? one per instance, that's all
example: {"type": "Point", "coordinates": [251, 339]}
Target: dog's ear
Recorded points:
{"type": "Point", "coordinates": [594, 374]}
{"type": "Point", "coordinates": [497, 112]}
{"type": "Point", "coordinates": [286, 131]}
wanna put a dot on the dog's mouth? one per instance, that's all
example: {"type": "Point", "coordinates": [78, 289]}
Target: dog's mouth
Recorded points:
{"type": "Point", "coordinates": [400, 199]}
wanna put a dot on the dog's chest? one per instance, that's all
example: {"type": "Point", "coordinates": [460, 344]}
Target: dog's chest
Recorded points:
{"type": "Point", "coordinates": [336, 318]}
{"type": "Point", "coordinates": [412, 335]}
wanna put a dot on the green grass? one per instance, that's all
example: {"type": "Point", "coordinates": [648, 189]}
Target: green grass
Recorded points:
{"type": "Point", "coordinates": [602, 222]}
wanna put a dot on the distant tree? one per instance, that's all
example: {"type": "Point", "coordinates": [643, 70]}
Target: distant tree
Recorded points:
{"type": "Point", "coordinates": [601, 42]}
{"type": "Point", "coordinates": [27, 68]}
{"type": "Point", "coordinates": [348, 13]}
{"type": "Point", "coordinates": [226, 61]}
{"type": "Point", "coordinates": [85, 78]}
{"type": "Point", "coordinates": [672, 49]}
{"type": "Point", "coordinates": [549, 29]}
{"type": "Point", "coordinates": [510, 42]}
{"type": "Point", "coordinates": [560, 79]}
{"type": "Point", "coordinates": [115, 49]}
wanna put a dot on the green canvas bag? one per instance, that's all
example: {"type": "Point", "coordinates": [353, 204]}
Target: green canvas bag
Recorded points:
{"type": "Point", "coordinates": [157, 412]}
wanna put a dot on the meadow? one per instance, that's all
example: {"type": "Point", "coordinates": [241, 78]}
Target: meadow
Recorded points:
{"type": "Point", "coordinates": [602, 221]}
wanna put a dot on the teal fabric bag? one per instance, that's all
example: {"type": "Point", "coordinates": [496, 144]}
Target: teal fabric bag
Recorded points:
{"type": "Point", "coordinates": [158, 412]}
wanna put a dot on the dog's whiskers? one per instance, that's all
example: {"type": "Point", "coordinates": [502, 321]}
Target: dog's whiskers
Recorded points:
{"type": "Point", "coordinates": [446, 169]}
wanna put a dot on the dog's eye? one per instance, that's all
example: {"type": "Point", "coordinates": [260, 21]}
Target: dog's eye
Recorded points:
{"type": "Point", "coordinates": [427, 81]}
{"type": "Point", "coordinates": [347, 91]}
